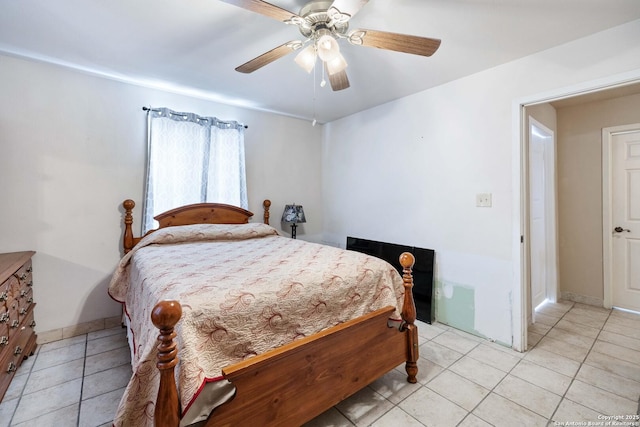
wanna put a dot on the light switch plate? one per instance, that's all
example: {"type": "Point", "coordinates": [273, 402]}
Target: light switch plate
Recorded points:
{"type": "Point", "coordinates": [483, 200]}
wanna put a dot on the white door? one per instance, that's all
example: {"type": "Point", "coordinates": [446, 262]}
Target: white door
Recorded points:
{"type": "Point", "coordinates": [537, 218]}
{"type": "Point", "coordinates": [625, 219]}
{"type": "Point", "coordinates": [542, 218]}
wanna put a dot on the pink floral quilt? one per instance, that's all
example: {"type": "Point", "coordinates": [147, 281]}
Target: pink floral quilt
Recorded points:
{"type": "Point", "coordinates": [244, 290]}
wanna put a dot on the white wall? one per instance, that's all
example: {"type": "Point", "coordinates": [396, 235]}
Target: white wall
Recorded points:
{"type": "Point", "coordinates": [408, 172]}
{"type": "Point", "coordinates": [73, 148]}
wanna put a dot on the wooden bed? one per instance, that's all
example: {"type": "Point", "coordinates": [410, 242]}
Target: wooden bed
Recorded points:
{"type": "Point", "coordinates": [292, 384]}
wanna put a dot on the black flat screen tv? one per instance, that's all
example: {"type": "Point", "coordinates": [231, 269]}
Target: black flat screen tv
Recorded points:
{"type": "Point", "coordinates": [422, 270]}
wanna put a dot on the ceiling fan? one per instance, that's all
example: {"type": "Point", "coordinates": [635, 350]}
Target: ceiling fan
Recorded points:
{"type": "Point", "coordinates": [322, 23]}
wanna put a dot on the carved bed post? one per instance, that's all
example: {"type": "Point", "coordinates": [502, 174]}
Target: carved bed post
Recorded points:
{"type": "Point", "coordinates": [266, 204]}
{"type": "Point", "coordinates": [409, 316]}
{"type": "Point", "coordinates": [165, 316]}
{"type": "Point", "coordinates": [127, 241]}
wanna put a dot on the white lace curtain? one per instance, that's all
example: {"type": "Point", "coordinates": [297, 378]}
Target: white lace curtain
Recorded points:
{"type": "Point", "coordinates": [192, 159]}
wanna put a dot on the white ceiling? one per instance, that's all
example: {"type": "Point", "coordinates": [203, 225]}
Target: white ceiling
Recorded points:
{"type": "Point", "coordinates": [194, 45]}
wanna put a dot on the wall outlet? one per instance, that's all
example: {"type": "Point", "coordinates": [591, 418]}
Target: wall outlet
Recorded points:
{"type": "Point", "coordinates": [483, 200]}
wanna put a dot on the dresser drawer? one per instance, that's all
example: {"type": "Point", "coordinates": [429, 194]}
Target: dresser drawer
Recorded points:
{"type": "Point", "coordinates": [13, 322]}
{"type": "Point", "coordinates": [24, 272]}
{"type": "Point", "coordinates": [15, 352]}
{"type": "Point", "coordinates": [24, 300]}
{"type": "Point", "coordinates": [21, 346]}
{"type": "Point", "coordinates": [24, 276]}
{"type": "Point", "coordinates": [17, 334]}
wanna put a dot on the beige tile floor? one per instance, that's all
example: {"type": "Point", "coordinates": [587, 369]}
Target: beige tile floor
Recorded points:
{"type": "Point", "coordinates": [584, 363]}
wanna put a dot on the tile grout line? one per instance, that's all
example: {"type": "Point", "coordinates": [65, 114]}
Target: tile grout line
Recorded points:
{"type": "Point", "coordinates": [446, 369]}
{"type": "Point", "coordinates": [353, 423]}
{"type": "Point", "coordinates": [31, 371]}
{"type": "Point", "coordinates": [84, 364]}
{"type": "Point", "coordinates": [483, 399]}
{"type": "Point", "coordinates": [19, 398]}
{"type": "Point", "coordinates": [581, 363]}
{"type": "Point", "coordinates": [564, 395]}
{"type": "Point", "coordinates": [397, 405]}
{"type": "Point", "coordinates": [492, 390]}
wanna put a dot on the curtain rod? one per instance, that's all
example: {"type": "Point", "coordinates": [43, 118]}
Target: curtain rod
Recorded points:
{"type": "Point", "coordinates": [144, 108]}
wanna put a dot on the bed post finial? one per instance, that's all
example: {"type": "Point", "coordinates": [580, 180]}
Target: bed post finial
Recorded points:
{"type": "Point", "coordinates": [409, 316]}
{"type": "Point", "coordinates": [266, 204]}
{"type": "Point", "coordinates": [165, 316]}
{"type": "Point", "coordinates": [127, 241]}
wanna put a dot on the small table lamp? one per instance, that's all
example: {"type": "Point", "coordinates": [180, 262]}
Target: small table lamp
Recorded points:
{"type": "Point", "coordinates": [293, 214]}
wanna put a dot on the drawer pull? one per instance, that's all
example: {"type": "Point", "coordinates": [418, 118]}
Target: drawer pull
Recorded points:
{"type": "Point", "coordinates": [23, 293]}
{"type": "Point", "coordinates": [24, 276]}
{"type": "Point", "coordinates": [30, 300]}
{"type": "Point", "coordinates": [4, 340]}
{"type": "Point", "coordinates": [4, 317]}
{"type": "Point", "coordinates": [11, 368]}
{"type": "Point", "coordinates": [30, 283]}
{"type": "Point", "coordinates": [15, 324]}
{"type": "Point", "coordinates": [23, 311]}
{"type": "Point", "coordinates": [29, 269]}
{"type": "Point", "coordinates": [3, 296]}
{"type": "Point", "coordinates": [17, 351]}
{"type": "Point", "coordinates": [32, 324]}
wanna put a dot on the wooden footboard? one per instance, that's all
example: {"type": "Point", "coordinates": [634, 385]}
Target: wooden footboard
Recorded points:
{"type": "Point", "coordinates": [294, 383]}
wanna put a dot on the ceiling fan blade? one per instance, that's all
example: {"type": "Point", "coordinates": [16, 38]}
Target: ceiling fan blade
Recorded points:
{"type": "Point", "coordinates": [339, 80]}
{"type": "Point", "coordinates": [348, 7]}
{"type": "Point", "coordinates": [268, 57]}
{"type": "Point", "coordinates": [264, 8]}
{"type": "Point", "coordinates": [393, 41]}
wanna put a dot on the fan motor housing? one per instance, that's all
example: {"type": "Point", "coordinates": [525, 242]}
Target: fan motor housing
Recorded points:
{"type": "Point", "coordinates": [316, 16]}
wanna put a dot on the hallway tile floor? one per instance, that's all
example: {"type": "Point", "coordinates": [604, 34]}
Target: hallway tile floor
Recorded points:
{"type": "Point", "coordinates": [583, 366]}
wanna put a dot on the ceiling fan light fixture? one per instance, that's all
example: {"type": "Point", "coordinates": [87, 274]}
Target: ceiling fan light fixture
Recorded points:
{"type": "Point", "coordinates": [336, 65]}
{"type": "Point", "coordinates": [306, 59]}
{"type": "Point", "coordinates": [323, 23]}
{"type": "Point", "coordinates": [327, 47]}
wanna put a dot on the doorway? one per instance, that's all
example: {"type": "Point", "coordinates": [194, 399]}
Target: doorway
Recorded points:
{"type": "Point", "coordinates": [578, 94]}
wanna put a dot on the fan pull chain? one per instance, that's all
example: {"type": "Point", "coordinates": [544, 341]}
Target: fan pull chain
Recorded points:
{"type": "Point", "coordinates": [323, 83]}
{"type": "Point", "coordinates": [313, 123]}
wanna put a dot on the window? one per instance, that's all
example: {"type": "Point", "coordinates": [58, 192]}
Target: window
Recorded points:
{"type": "Point", "coordinates": [192, 159]}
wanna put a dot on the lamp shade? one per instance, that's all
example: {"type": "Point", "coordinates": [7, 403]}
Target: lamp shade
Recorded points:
{"type": "Point", "coordinates": [306, 59]}
{"type": "Point", "coordinates": [293, 214]}
{"type": "Point", "coordinates": [327, 47]}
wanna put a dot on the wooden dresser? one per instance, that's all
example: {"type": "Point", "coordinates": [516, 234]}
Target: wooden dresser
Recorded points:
{"type": "Point", "coordinates": [17, 334]}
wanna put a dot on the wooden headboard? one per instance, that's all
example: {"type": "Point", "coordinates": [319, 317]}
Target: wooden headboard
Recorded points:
{"type": "Point", "coordinates": [199, 213]}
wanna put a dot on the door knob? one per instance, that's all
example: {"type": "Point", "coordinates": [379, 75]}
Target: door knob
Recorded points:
{"type": "Point", "coordinates": [620, 230]}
